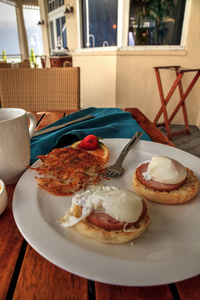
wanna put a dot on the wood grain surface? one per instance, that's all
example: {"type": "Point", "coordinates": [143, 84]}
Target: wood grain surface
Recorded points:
{"type": "Point", "coordinates": [40, 279]}
{"type": "Point", "coordinates": [10, 245]}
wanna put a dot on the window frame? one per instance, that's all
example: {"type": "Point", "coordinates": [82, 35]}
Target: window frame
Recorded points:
{"type": "Point", "coordinates": [54, 4]}
{"type": "Point", "coordinates": [122, 31]}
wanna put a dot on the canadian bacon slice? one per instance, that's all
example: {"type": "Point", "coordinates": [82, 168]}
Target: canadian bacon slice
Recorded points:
{"type": "Point", "coordinates": [155, 185]}
{"type": "Point", "coordinates": [105, 221]}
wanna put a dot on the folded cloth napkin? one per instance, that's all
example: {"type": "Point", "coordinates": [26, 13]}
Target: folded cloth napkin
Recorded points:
{"type": "Point", "coordinates": [107, 123]}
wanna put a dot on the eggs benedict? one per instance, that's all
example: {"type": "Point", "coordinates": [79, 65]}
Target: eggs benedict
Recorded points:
{"type": "Point", "coordinates": [108, 214]}
{"type": "Point", "coordinates": [165, 180]}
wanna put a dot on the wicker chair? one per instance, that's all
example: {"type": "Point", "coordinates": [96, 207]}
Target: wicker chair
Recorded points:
{"type": "Point", "coordinates": [67, 64]}
{"type": "Point", "coordinates": [40, 89]}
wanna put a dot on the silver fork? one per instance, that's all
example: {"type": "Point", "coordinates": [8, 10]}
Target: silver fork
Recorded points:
{"type": "Point", "coordinates": [117, 169]}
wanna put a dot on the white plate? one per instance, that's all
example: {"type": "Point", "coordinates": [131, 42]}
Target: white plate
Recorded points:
{"type": "Point", "coordinates": [168, 251]}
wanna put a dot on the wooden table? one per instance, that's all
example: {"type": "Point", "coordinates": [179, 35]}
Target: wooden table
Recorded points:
{"type": "Point", "coordinates": [24, 274]}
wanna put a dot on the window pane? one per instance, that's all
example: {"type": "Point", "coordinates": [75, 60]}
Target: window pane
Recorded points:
{"type": "Point", "coordinates": [156, 22]}
{"type": "Point", "coordinates": [58, 33]}
{"type": "Point", "coordinates": [61, 33]}
{"type": "Point", "coordinates": [34, 33]}
{"type": "Point", "coordinates": [53, 4]}
{"type": "Point", "coordinates": [9, 40]}
{"type": "Point", "coordinates": [99, 23]}
{"type": "Point", "coordinates": [64, 34]}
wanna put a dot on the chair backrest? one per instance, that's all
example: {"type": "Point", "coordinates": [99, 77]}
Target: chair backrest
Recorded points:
{"type": "Point", "coordinates": [5, 65]}
{"type": "Point", "coordinates": [67, 64]}
{"type": "Point", "coordinates": [40, 89]}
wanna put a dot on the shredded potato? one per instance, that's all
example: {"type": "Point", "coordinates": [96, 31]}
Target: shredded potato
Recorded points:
{"type": "Point", "coordinates": [68, 170]}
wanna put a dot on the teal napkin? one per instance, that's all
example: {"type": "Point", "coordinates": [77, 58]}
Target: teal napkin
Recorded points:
{"type": "Point", "coordinates": [107, 123]}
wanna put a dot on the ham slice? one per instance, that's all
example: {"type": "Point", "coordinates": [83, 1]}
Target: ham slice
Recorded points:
{"type": "Point", "coordinates": [106, 222]}
{"type": "Point", "coordinates": [155, 185]}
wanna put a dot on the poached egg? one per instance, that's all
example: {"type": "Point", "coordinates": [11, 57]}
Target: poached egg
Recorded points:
{"type": "Point", "coordinates": [122, 205]}
{"type": "Point", "coordinates": [165, 170]}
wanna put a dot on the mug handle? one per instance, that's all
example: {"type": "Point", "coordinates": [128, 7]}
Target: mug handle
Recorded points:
{"type": "Point", "coordinates": [33, 123]}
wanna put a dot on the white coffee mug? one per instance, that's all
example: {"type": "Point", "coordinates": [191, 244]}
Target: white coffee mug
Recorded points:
{"type": "Point", "coordinates": [15, 134]}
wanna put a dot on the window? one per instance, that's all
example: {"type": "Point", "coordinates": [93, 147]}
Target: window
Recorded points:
{"type": "Point", "coordinates": [99, 23]}
{"type": "Point", "coordinates": [156, 22]}
{"type": "Point", "coordinates": [132, 23]}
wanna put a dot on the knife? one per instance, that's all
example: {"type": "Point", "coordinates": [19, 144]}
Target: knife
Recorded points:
{"type": "Point", "coordinates": [53, 128]}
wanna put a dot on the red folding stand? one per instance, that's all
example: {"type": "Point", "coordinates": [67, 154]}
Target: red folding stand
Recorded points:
{"type": "Point", "coordinates": [179, 74]}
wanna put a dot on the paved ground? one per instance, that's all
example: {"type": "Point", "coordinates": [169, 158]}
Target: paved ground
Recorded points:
{"type": "Point", "coordinates": [189, 143]}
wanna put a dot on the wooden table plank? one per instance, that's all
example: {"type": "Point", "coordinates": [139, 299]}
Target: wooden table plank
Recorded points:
{"type": "Point", "coordinates": [107, 292]}
{"type": "Point", "coordinates": [49, 118]}
{"type": "Point", "coordinates": [40, 279]}
{"type": "Point", "coordinates": [154, 133]}
{"type": "Point", "coordinates": [10, 245]}
{"type": "Point", "coordinates": [38, 115]}
{"type": "Point", "coordinates": [189, 289]}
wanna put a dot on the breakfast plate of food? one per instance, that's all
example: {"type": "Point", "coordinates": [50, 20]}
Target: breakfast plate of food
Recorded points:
{"type": "Point", "coordinates": [114, 230]}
